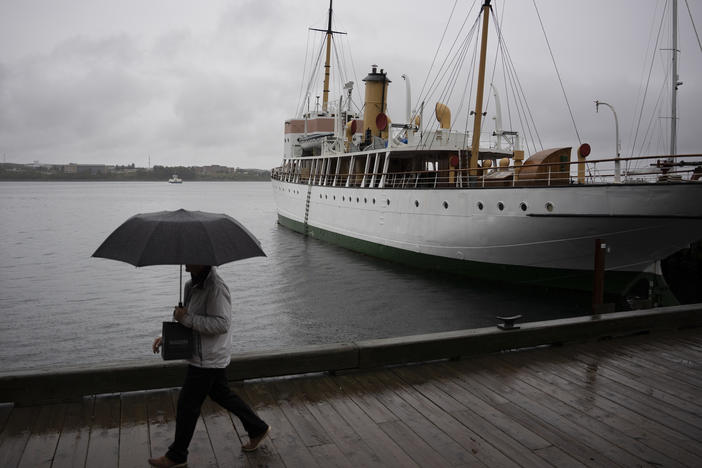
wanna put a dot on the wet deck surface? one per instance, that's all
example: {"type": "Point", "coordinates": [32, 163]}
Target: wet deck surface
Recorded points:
{"type": "Point", "coordinates": [626, 402]}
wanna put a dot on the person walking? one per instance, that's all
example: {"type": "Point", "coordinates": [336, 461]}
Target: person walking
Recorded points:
{"type": "Point", "coordinates": [208, 312]}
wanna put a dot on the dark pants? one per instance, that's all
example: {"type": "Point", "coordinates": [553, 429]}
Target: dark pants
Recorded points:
{"type": "Point", "coordinates": [199, 383]}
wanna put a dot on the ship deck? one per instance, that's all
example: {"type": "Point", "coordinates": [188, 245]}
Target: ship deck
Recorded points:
{"type": "Point", "coordinates": [630, 401]}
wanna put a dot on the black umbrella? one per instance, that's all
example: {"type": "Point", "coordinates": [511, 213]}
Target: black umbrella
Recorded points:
{"type": "Point", "coordinates": [180, 237]}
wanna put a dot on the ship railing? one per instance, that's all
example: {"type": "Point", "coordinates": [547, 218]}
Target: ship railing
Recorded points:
{"type": "Point", "coordinates": [636, 170]}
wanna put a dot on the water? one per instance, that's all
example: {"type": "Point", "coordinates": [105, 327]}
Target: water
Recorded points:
{"type": "Point", "coordinates": [62, 308]}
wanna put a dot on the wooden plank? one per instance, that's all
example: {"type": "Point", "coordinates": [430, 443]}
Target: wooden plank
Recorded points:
{"type": "Point", "coordinates": [677, 368]}
{"type": "Point", "coordinates": [200, 452]}
{"type": "Point", "coordinates": [292, 406]}
{"type": "Point", "coordinates": [452, 452]}
{"type": "Point", "coordinates": [329, 455]}
{"type": "Point", "coordinates": [417, 449]}
{"type": "Point", "coordinates": [161, 416]}
{"type": "Point", "coordinates": [464, 436]}
{"type": "Point", "coordinates": [535, 416]}
{"type": "Point", "coordinates": [14, 437]}
{"type": "Point", "coordinates": [40, 448]}
{"type": "Point", "coordinates": [103, 447]}
{"type": "Point", "coordinates": [579, 423]}
{"type": "Point", "coordinates": [346, 439]}
{"type": "Point", "coordinates": [678, 358]}
{"type": "Point", "coordinates": [637, 426]}
{"type": "Point", "coordinates": [284, 438]}
{"type": "Point", "coordinates": [447, 382]}
{"type": "Point", "coordinates": [134, 447]}
{"type": "Point", "coordinates": [557, 457]}
{"type": "Point", "coordinates": [664, 374]}
{"type": "Point", "coordinates": [267, 454]}
{"type": "Point", "coordinates": [224, 439]}
{"type": "Point", "coordinates": [608, 423]}
{"type": "Point", "coordinates": [384, 447]}
{"type": "Point", "coordinates": [431, 389]}
{"type": "Point", "coordinates": [72, 447]}
{"type": "Point", "coordinates": [646, 419]}
{"type": "Point", "coordinates": [367, 400]}
{"type": "Point", "coordinates": [617, 379]}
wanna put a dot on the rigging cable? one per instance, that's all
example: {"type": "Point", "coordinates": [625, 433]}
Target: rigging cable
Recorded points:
{"type": "Point", "coordinates": [312, 77]}
{"type": "Point", "coordinates": [651, 40]}
{"type": "Point", "coordinates": [520, 95]}
{"type": "Point", "coordinates": [693, 25]}
{"type": "Point", "coordinates": [300, 97]}
{"type": "Point", "coordinates": [557, 72]}
{"type": "Point", "coordinates": [448, 54]}
{"type": "Point", "coordinates": [438, 48]}
{"type": "Point", "coordinates": [458, 58]}
{"type": "Point", "coordinates": [648, 80]}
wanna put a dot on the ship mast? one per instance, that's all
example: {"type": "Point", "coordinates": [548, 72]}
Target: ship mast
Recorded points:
{"type": "Point", "coordinates": [676, 83]}
{"type": "Point", "coordinates": [327, 63]}
{"type": "Point", "coordinates": [479, 99]}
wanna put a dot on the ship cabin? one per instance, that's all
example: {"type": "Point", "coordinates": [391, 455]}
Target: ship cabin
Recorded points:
{"type": "Point", "coordinates": [336, 147]}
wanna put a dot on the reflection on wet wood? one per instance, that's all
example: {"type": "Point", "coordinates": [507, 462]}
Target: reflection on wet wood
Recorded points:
{"type": "Point", "coordinates": [628, 401]}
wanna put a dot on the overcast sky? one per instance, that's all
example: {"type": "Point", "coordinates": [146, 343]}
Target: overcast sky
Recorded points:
{"type": "Point", "coordinates": [211, 82]}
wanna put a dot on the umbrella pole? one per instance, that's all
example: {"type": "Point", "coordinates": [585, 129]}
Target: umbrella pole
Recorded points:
{"type": "Point", "coordinates": [180, 288]}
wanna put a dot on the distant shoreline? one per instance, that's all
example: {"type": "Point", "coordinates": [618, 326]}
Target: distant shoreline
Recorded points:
{"type": "Point", "coordinates": [104, 173]}
{"type": "Point", "coordinates": [3, 179]}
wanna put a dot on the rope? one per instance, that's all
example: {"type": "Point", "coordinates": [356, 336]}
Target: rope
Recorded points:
{"type": "Point", "coordinates": [557, 72]}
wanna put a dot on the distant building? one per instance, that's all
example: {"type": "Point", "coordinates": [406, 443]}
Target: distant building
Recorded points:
{"type": "Point", "coordinates": [92, 169]}
{"type": "Point", "coordinates": [215, 169]}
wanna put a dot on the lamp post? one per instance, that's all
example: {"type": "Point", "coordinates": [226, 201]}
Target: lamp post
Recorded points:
{"type": "Point", "coordinates": [617, 164]}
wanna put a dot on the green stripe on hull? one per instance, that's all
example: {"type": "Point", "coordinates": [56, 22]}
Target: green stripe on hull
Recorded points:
{"type": "Point", "coordinates": [616, 282]}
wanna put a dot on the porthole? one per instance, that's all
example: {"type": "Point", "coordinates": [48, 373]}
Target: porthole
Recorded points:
{"type": "Point", "coordinates": [343, 198]}
{"type": "Point", "coordinates": [549, 206]}
{"type": "Point", "coordinates": [388, 201]}
{"type": "Point", "coordinates": [374, 201]}
{"type": "Point", "coordinates": [480, 206]}
{"type": "Point", "coordinates": [445, 205]}
{"type": "Point", "coordinates": [416, 203]}
{"type": "Point", "coordinates": [523, 206]}
{"type": "Point", "coordinates": [320, 195]}
{"type": "Point", "coordinates": [334, 197]}
{"type": "Point", "coordinates": [357, 200]}
{"type": "Point", "coordinates": [365, 200]}
{"type": "Point", "coordinates": [326, 197]}
{"type": "Point", "coordinates": [500, 206]}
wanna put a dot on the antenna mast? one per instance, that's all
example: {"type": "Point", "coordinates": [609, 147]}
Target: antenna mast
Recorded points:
{"type": "Point", "coordinates": [676, 83]}
{"type": "Point", "coordinates": [479, 99]}
{"type": "Point", "coordinates": [327, 63]}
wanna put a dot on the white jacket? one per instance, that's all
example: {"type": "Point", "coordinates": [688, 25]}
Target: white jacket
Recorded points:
{"type": "Point", "coordinates": [210, 316]}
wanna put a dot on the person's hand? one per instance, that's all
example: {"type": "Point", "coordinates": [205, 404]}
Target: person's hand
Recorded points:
{"type": "Point", "coordinates": [157, 344]}
{"type": "Point", "coordinates": [179, 313]}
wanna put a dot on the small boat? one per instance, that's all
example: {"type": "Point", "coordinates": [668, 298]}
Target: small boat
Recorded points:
{"type": "Point", "coordinates": [175, 179]}
{"type": "Point", "coordinates": [438, 196]}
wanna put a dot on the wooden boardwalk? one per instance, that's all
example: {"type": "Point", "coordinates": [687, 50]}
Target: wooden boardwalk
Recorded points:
{"type": "Point", "coordinates": [633, 401]}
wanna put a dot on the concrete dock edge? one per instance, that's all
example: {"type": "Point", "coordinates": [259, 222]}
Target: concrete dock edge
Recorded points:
{"type": "Point", "coordinates": [29, 388]}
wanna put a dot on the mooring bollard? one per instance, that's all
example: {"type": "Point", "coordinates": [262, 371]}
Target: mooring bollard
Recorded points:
{"type": "Point", "coordinates": [508, 322]}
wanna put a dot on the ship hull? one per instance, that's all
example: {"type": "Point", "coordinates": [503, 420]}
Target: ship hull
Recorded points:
{"type": "Point", "coordinates": [542, 235]}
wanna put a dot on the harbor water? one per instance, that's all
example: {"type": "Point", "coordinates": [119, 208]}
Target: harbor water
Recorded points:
{"type": "Point", "coordinates": [63, 308]}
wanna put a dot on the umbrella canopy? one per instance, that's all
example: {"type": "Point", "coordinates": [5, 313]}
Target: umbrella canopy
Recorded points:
{"type": "Point", "coordinates": [180, 237]}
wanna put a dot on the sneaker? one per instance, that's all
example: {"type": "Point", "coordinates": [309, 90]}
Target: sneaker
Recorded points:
{"type": "Point", "coordinates": [165, 462]}
{"type": "Point", "coordinates": [254, 442]}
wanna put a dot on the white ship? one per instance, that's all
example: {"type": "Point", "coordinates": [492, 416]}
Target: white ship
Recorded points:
{"type": "Point", "coordinates": [471, 203]}
{"type": "Point", "coordinates": [175, 179]}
